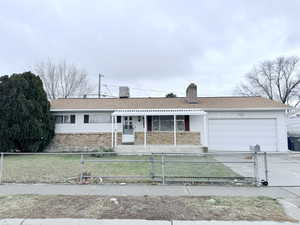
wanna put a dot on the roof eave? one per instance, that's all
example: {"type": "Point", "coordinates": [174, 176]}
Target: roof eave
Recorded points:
{"type": "Point", "coordinates": [203, 109]}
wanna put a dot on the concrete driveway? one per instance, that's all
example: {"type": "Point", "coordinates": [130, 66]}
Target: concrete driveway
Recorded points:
{"type": "Point", "coordinates": [283, 169]}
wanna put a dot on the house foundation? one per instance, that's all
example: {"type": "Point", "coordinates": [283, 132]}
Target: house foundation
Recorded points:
{"type": "Point", "coordinates": [95, 141]}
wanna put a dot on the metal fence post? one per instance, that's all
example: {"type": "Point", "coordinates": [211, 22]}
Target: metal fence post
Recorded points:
{"type": "Point", "coordinates": [1, 166]}
{"type": "Point", "coordinates": [266, 168]}
{"type": "Point", "coordinates": [152, 174]}
{"type": "Point", "coordinates": [163, 168]}
{"type": "Point", "coordinates": [255, 164]}
{"type": "Point", "coordinates": [81, 168]}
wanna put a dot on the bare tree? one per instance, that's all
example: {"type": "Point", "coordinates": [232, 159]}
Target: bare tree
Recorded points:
{"type": "Point", "coordinates": [63, 80]}
{"type": "Point", "coordinates": [277, 79]}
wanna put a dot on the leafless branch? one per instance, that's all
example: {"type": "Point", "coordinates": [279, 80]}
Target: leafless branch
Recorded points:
{"type": "Point", "coordinates": [277, 79]}
{"type": "Point", "coordinates": [63, 80]}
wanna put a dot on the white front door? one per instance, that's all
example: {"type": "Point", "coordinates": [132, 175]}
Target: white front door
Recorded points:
{"type": "Point", "coordinates": [239, 134]}
{"type": "Point", "coordinates": [128, 130]}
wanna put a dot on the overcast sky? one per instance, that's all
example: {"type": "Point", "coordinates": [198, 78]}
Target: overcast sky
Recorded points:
{"type": "Point", "coordinates": [159, 45]}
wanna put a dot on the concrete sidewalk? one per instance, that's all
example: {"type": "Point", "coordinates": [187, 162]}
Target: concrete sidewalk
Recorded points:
{"type": "Point", "coordinates": [131, 222]}
{"type": "Point", "coordinates": [154, 190]}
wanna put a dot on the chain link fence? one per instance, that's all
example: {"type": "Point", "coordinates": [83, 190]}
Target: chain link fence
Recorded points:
{"type": "Point", "coordinates": [109, 167]}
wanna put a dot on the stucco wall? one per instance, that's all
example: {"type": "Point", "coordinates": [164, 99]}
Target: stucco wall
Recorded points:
{"type": "Point", "coordinates": [79, 127]}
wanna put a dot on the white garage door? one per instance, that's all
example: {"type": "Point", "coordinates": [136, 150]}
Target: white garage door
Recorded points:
{"type": "Point", "coordinates": [239, 134]}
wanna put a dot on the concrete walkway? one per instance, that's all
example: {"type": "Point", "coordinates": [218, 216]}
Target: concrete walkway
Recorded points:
{"type": "Point", "coordinates": [131, 222]}
{"type": "Point", "coordinates": [154, 190]}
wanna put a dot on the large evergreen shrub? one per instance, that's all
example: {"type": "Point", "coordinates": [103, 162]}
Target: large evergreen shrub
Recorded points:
{"type": "Point", "coordinates": [26, 123]}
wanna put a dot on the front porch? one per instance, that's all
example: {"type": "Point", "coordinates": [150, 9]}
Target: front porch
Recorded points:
{"type": "Point", "coordinates": [159, 129]}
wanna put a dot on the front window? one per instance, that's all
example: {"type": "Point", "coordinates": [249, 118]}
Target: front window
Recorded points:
{"type": "Point", "coordinates": [97, 118]}
{"type": "Point", "coordinates": [166, 123]}
{"type": "Point", "coordinates": [180, 126]}
{"type": "Point", "coordinates": [60, 119]}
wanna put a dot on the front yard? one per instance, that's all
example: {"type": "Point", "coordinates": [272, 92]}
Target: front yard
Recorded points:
{"type": "Point", "coordinates": [146, 207]}
{"type": "Point", "coordinates": [67, 168]}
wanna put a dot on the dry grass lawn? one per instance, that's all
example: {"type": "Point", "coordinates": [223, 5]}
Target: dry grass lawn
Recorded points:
{"type": "Point", "coordinates": [154, 208]}
{"type": "Point", "coordinates": [59, 168]}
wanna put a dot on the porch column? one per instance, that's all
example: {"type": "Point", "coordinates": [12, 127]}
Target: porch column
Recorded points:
{"type": "Point", "coordinates": [145, 130]}
{"type": "Point", "coordinates": [115, 130]}
{"type": "Point", "coordinates": [112, 131]}
{"type": "Point", "coordinates": [205, 131]}
{"type": "Point", "coordinates": [175, 130]}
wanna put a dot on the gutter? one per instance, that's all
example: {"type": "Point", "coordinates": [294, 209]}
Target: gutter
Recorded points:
{"type": "Point", "coordinates": [202, 109]}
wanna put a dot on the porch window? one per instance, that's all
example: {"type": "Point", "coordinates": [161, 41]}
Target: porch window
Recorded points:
{"type": "Point", "coordinates": [166, 123]}
{"type": "Point", "coordinates": [180, 125]}
{"type": "Point", "coordinates": [60, 119]}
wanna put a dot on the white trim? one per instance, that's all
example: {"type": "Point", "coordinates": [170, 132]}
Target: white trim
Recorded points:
{"type": "Point", "coordinates": [154, 112]}
{"type": "Point", "coordinates": [175, 130]}
{"type": "Point", "coordinates": [116, 133]}
{"type": "Point", "coordinates": [112, 131]}
{"type": "Point", "coordinates": [201, 109]}
{"type": "Point", "coordinates": [244, 109]}
{"type": "Point", "coordinates": [276, 134]}
{"type": "Point", "coordinates": [82, 110]}
{"type": "Point", "coordinates": [205, 131]}
{"type": "Point", "coordinates": [145, 131]}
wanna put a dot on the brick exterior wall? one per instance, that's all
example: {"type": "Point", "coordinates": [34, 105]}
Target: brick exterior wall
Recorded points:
{"type": "Point", "coordinates": [167, 138]}
{"type": "Point", "coordinates": [95, 141]}
{"type": "Point", "coordinates": [79, 142]}
{"type": "Point", "coordinates": [188, 138]}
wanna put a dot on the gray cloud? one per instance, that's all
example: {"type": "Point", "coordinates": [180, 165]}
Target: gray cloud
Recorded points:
{"type": "Point", "coordinates": [150, 44]}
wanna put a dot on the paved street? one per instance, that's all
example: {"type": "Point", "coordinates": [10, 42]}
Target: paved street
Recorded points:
{"type": "Point", "coordinates": [130, 222]}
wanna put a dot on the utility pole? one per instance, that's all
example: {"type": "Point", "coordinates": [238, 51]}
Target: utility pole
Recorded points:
{"type": "Point", "coordinates": [99, 88]}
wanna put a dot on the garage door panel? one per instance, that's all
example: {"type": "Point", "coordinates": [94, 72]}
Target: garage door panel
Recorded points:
{"type": "Point", "coordinates": [239, 134]}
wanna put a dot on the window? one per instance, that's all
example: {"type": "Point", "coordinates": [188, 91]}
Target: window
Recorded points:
{"type": "Point", "coordinates": [119, 119]}
{"type": "Point", "coordinates": [180, 125]}
{"type": "Point", "coordinates": [97, 118]}
{"type": "Point", "coordinates": [86, 119]}
{"type": "Point", "coordinates": [59, 119]}
{"type": "Point", "coordinates": [155, 123]}
{"type": "Point", "coordinates": [166, 123]}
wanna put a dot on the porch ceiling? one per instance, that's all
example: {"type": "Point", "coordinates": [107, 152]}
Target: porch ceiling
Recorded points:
{"type": "Point", "coordinates": [155, 112]}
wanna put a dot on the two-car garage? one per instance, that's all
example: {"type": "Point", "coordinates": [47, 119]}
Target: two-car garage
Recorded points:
{"type": "Point", "coordinates": [238, 134]}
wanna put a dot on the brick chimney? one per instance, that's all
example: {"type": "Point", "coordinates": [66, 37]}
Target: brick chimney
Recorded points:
{"type": "Point", "coordinates": [124, 92]}
{"type": "Point", "coordinates": [191, 94]}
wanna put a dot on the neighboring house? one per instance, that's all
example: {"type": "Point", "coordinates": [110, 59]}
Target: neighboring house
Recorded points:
{"type": "Point", "coordinates": [293, 124]}
{"type": "Point", "coordinates": [169, 124]}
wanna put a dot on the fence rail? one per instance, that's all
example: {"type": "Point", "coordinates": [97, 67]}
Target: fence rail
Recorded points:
{"type": "Point", "coordinates": [103, 167]}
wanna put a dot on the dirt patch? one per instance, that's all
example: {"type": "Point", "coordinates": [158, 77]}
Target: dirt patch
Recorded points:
{"type": "Point", "coordinates": [154, 208]}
